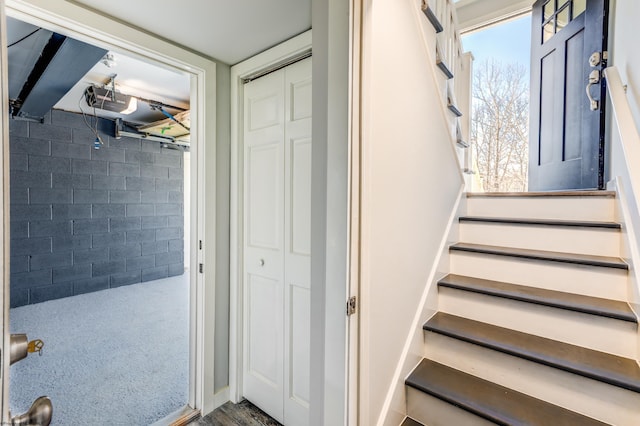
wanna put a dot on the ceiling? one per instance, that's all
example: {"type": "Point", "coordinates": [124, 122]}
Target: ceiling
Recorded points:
{"type": "Point", "coordinates": [475, 15]}
{"type": "Point", "coordinates": [227, 30]}
{"type": "Point", "coordinates": [132, 77]}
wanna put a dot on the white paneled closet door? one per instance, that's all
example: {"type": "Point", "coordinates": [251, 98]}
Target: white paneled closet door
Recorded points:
{"type": "Point", "coordinates": [277, 218]}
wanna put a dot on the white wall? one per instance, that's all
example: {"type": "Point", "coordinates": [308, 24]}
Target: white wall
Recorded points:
{"type": "Point", "coordinates": [411, 183]}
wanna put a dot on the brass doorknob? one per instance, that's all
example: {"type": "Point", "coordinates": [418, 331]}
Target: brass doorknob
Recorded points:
{"type": "Point", "coordinates": [39, 414]}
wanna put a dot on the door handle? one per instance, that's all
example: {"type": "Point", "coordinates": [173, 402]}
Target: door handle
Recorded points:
{"type": "Point", "coordinates": [39, 414]}
{"type": "Point", "coordinates": [594, 79]}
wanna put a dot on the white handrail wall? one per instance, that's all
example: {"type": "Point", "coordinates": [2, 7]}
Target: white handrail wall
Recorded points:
{"type": "Point", "coordinates": [625, 170]}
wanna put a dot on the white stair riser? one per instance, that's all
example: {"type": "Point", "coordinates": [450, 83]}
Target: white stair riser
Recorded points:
{"type": "Point", "coordinates": [567, 208]}
{"type": "Point", "coordinates": [607, 283]}
{"type": "Point", "coordinates": [432, 411]}
{"type": "Point", "coordinates": [601, 242]}
{"type": "Point", "coordinates": [591, 331]}
{"type": "Point", "coordinates": [610, 404]}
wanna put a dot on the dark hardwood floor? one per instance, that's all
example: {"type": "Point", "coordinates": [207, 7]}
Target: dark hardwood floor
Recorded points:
{"type": "Point", "coordinates": [242, 414]}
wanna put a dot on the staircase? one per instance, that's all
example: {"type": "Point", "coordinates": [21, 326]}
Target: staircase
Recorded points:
{"type": "Point", "coordinates": [533, 326]}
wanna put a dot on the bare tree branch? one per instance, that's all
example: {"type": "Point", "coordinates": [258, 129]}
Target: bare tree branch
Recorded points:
{"type": "Point", "coordinates": [500, 125]}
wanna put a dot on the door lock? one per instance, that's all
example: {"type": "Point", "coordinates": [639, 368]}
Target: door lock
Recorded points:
{"type": "Point", "coordinates": [20, 347]}
{"type": "Point", "coordinates": [594, 78]}
{"type": "Point", "coordinates": [595, 59]}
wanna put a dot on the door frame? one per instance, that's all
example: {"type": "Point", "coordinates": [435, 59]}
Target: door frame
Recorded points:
{"type": "Point", "coordinates": [4, 220]}
{"type": "Point", "coordinates": [270, 59]}
{"type": "Point", "coordinates": [104, 31]}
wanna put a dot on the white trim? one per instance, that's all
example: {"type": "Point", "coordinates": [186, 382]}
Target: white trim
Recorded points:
{"type": "Point", "coordinates": [474, 15]}
{"type": "Point", "coordinates": [4, 220]}
{"type": "Point", "coordinates": [92, 27]}
{"type": "Point", "coordinates": [264, 60]}
{"type": "Point", "coordinates": [221, 397]}
{"type": "Point", "coordinates": [354, 185]}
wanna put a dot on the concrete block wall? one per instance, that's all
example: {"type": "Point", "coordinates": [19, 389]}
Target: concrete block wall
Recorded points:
{"type": "Point", "coordinates": [84, 220]}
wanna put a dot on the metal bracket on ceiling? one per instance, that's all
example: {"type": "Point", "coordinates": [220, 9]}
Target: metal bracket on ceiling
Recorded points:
{"type": "Point", "coordinates": [112, 82]}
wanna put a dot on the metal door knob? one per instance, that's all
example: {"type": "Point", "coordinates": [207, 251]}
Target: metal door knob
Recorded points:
{"type": "Point", "coordinates": [39, 414]}
{"type": "Point", "coordinates": [19, 345]}
{"type": "Point", "coordinates": [261, 262]}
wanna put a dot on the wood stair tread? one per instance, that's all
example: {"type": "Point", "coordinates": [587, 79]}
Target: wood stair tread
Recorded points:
{"type": "Point", "coordinates": [442, 66]}
{"type": "Point", "coordinates": [556, 299]}
{"type": "Point", "coordinates": [607, 194]}
{"type": "Point", "coordinates": [601, 366]}
{"type": "Point", "coordinates": [431, 16]}
{"type": "Point", "coordinates": [572, 258]}
{"type": "Point", "coordinates": [410, 422]}
{"type": "Point", "coordinates": [542, 222]}
{"type": "Point", "coordinates": [493, 402]}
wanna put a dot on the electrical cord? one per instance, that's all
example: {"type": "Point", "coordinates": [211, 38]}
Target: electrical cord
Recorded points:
{"type": "Point", "coordinates": [24, 38]}
{"type": "Point", "coordinates": [98, 141]}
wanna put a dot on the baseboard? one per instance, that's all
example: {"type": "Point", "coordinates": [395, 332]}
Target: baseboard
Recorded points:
{"type": "Point", "coordinates": [221, 397]}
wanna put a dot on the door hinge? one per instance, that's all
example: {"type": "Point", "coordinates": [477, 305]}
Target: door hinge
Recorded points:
{"type": "Point", "coordinates": [200, 244]}
{"type": "Point", "coordinates": [201, 268]}
{"type": "Point", "coordinates": [605, 55]}
{"type": "Point", "coordinates": [351, 306]}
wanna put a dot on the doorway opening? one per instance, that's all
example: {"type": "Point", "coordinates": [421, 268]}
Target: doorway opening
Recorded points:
{"type": "Point", "coordinates": [100, 167]}
{"type": "Point", "coordinates": [500, 105]}
{"type": "Point", "coordinates": [566, 41]}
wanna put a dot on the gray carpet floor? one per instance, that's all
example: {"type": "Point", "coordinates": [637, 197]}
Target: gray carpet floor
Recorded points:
{"type": "Point", "coordinates": [114, 357]}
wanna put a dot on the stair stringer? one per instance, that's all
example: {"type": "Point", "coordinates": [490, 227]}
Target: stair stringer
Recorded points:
{"type": "Point", "coordinates": [395, 407]}
{"type": "Point", "coordinates": [630, 248]}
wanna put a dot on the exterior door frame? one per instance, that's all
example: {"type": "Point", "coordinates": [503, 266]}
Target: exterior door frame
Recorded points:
{"type": "Point", "coordinates": [92, 27]}
{"type": "Point", "coordinates": [271, 59]}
